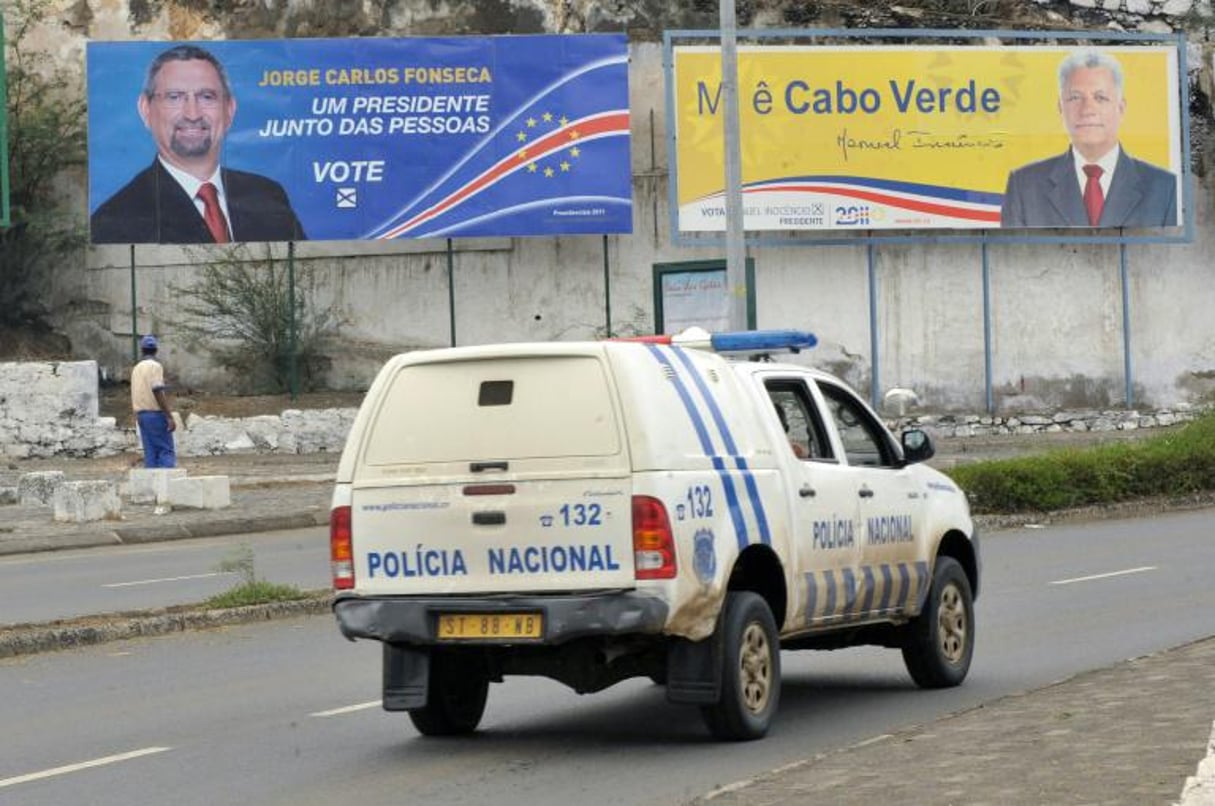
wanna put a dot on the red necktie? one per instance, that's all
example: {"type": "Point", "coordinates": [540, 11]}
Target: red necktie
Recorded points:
{"type": "Point", "coordinates": [1094, 199]}
{"type": "Point", "coordinates": [213, 214]}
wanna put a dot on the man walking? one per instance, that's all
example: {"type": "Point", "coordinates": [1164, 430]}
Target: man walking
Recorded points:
{"type": "Point", "coordinates": [150, 402]}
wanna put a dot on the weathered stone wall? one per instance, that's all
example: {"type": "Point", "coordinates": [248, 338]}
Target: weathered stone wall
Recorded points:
{"type": "Point", "coordinates": [47, 408]}
{"type": "Point", "coordinates": [50, 409]}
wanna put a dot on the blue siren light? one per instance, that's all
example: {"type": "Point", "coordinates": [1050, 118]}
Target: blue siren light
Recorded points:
{"type": "Point", "coordinates": [747, 341]}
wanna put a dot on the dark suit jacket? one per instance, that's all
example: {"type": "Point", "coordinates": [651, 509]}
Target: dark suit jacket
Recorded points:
{"type": "Point", "coordinates": [1046, 194]}
{"type": "Point", "coordinates": [153, 208]}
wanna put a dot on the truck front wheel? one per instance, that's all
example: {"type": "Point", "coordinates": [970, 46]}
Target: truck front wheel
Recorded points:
{"type": "Point", "coordinates": [939, 642]}
{"type": "Point", "coordinates": [750, 680]}
{"type": "Point", "coordinates": [455, 700]}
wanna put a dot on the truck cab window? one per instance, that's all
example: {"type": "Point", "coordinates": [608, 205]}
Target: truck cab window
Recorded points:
{"type": "Point", "coordinates": [863, 436]}
{"type": "Point", "coordinates": [799, 420]}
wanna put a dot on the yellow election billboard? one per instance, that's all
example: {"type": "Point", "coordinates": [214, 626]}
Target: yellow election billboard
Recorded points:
{"type": "Point", "coordinates": [940, 137]}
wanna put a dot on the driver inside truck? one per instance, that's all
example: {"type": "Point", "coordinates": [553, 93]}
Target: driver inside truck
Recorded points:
{"type": "Point", "coordinates": [799, 450]}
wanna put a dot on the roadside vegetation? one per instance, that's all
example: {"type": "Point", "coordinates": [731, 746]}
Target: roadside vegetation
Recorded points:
{"type": "Point", "coordinates": [1176, 464]}
{"type": "Point", "coordinates": [249, 590]}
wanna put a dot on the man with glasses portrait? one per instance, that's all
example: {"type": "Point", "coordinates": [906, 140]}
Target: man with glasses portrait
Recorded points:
{"type": "Point", "coordinates": [185, 196]}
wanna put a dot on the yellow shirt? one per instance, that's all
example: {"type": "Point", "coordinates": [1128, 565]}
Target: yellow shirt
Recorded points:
{"type": "Point", "coordinates": [147, 376]}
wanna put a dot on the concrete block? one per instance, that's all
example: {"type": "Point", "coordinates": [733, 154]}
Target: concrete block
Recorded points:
{"type": "Point", "coordinates": [38, 489]}
{"type": "Point", "coordinates": [81, 501]}
{"type": "Point", "coordinates": [148, 485]}
{"type": "Point", "coordinates": [200, 492]}
{"type": "Point", "coordinates": [8, 495]}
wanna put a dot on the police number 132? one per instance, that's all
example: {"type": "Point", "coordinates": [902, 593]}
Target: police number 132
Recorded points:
{"type": "Point", "coordinates": [581, 515]}
{"type": "Point", "coordinates": [700, 501]}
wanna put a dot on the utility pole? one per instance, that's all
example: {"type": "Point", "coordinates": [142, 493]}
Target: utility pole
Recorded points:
{"type": "Point", "coordinates": [736, 248]}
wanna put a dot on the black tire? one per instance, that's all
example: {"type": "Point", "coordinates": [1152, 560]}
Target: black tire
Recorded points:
{"type": "Point", "coordinates": [455, 699]}
{"type": "Point", "coordinates": [750, 673]}
{"type": "Point", "coordinates": [939, 642]}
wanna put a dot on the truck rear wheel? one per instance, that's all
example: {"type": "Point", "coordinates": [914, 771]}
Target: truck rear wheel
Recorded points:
{"type": "Point", "coordinates": [940, 641]}
{"type": "Point", "coordinates": [750, 684]}
{"type": "Point", "coordinates": [455, 699]}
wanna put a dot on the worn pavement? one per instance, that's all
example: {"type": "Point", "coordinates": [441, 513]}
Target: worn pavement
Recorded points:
{"type": "Point", "coordinates": [1129, 734]}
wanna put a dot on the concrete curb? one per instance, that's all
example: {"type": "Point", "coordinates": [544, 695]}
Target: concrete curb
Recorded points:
{"type": "Point", "coordinates": [152, 533]}
{"type": "Point", "coordinates": [225, 526]}
{"type": "Point", "coordinates": [28, 639]}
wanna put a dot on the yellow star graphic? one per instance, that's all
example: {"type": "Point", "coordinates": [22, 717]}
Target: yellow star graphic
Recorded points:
{"type": "Point", "coordinates": [575, 152]}
{"type": "Point", "coordinates": [564, 120]}
{"type": "Point", "coordinates": [565, 166]}
{"type": "Point", "coordinates": [531, 123]}
{"type": "Point", "coordinates": [531, 167]}
{"type": "Point", "coordinates": [522, 154]}
{"type": "Point", "coordinates": [547, 117]}
{"type": "Point", "coordinates": [521, 137]}
{"type": "Point", "coordinates": [574, 135]}
{"type": "Point", "coordinates": [548, 173]}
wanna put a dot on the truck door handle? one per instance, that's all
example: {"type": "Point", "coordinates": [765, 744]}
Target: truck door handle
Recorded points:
{"type": "Point", "coordinates": [481, 467]}
{"type": "Point", "coordinates": [489, 518]}
{"type": "Point", "coordinates": [807, 492]}
{"type": "Point", "coordinates": [865, 492]}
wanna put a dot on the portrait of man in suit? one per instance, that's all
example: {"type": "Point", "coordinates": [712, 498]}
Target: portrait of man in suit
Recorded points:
{"type": "Point", "coordinates": [186, 196]}
{"type": "Point", "coordinates": [1095, 183]}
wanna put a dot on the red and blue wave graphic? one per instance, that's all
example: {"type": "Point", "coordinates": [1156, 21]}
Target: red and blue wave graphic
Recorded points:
{"type": "Point", "coordinates": [559, 163]}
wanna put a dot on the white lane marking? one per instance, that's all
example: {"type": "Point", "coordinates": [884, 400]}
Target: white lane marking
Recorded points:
{"type": "Point", "coordinates": [1139, 570]}
{"type": "Point", "coordinates": [83, 765]}
{"type": "Point", "coordinates": [165, 579]}
{"type": "Point", "coordinates": [349, 709]}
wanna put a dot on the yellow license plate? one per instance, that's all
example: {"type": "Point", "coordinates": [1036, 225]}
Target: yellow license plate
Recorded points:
{"type": "Point", "coordinates": [490, 626]}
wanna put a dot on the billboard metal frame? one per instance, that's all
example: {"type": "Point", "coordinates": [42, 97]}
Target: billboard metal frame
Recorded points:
{"type": "Point", "coordinates": [1186, 235]}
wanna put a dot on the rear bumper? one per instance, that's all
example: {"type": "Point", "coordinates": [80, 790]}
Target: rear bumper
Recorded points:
{"type": "Point", "coordinates": [413, 620]}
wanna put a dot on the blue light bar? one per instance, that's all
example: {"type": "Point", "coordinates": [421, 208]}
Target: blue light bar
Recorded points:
{"type": "Point", "coordinates": [759, 341]}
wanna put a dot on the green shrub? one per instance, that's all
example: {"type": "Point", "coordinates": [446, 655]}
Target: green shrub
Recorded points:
{"type": "Point", "coordinates": [250, 590]}
{"type": "Point", "coordinates": [252, 593]}
{"type": "Point", "coordinates": [1174, 464]}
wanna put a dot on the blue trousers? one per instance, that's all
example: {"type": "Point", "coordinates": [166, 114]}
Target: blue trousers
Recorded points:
{"type": "Point", "coordinates": [158, 450]}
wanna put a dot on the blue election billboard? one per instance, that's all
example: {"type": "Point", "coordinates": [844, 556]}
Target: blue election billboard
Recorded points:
{"type": "Point", "coordinates": [358, 139]}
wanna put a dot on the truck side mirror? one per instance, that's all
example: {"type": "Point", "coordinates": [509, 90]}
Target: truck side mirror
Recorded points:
{"type": "Point", "coordinates": [917, 446]}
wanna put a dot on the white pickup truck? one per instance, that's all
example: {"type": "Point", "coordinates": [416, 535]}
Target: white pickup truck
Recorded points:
{"type": "Point", "coordinates": [595, 511]}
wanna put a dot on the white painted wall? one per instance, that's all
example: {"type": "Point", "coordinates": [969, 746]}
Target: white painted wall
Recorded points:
{"type": "Point", "coordinates": [1056, 311]}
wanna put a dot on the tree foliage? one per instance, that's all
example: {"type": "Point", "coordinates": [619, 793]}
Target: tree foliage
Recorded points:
{"type": "Point", "coordinates": [239, 312]}
{"type": "Point", "coordinates": [47, 123]}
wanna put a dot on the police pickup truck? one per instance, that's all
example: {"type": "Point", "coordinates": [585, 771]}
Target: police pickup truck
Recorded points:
{"type": "Point", "coordinates": [597, 511]}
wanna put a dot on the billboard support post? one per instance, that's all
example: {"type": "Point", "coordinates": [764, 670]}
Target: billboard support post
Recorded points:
{"type": "Point", "coordinates": [736, 273]}
{"type": "Point", "coordinates": [607, 291]}
{"type": "Point", "coordinates": [293, 370]}
{"type": "Point", "coordinates": [134, 312]}
{"type": "Point", "coordinates": [1126, 325]}
{"type": "Point", "coordinates": [987, 393]}
{"type": "Point", "coordinates": [874, 374]}
{"type": "Point", "coordinates": [451, 290]}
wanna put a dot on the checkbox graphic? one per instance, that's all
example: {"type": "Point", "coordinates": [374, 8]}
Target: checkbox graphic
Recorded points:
{"type": "Point", "coordinates": [347, 198]}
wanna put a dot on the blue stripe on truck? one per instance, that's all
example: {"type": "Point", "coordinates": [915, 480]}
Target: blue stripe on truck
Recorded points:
{"type": "Point", "coordinates": [757, 504]}
{"type": "Point", "coordinates": [706, 444]}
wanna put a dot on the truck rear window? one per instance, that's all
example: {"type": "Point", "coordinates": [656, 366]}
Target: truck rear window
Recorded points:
{"type": "Point", "coordinates": [519, 408]}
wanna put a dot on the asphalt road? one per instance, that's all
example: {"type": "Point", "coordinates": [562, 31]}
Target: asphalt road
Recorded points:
{"type": "Point", "coordinates": [117, 578]}
{"type": "Point", "coordinates": [286, 712]}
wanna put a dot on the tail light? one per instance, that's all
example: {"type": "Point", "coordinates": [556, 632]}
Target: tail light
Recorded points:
{"type": "Point", "coordinates": [653, 543]}
{"type": "Point", "coordinates": [341, 550]}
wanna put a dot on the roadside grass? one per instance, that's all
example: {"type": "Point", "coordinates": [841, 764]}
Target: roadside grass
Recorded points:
{"type": "Point", "coordinates": [1175, 464]}
{"type": "Point", "coordinates": [249, 590]}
